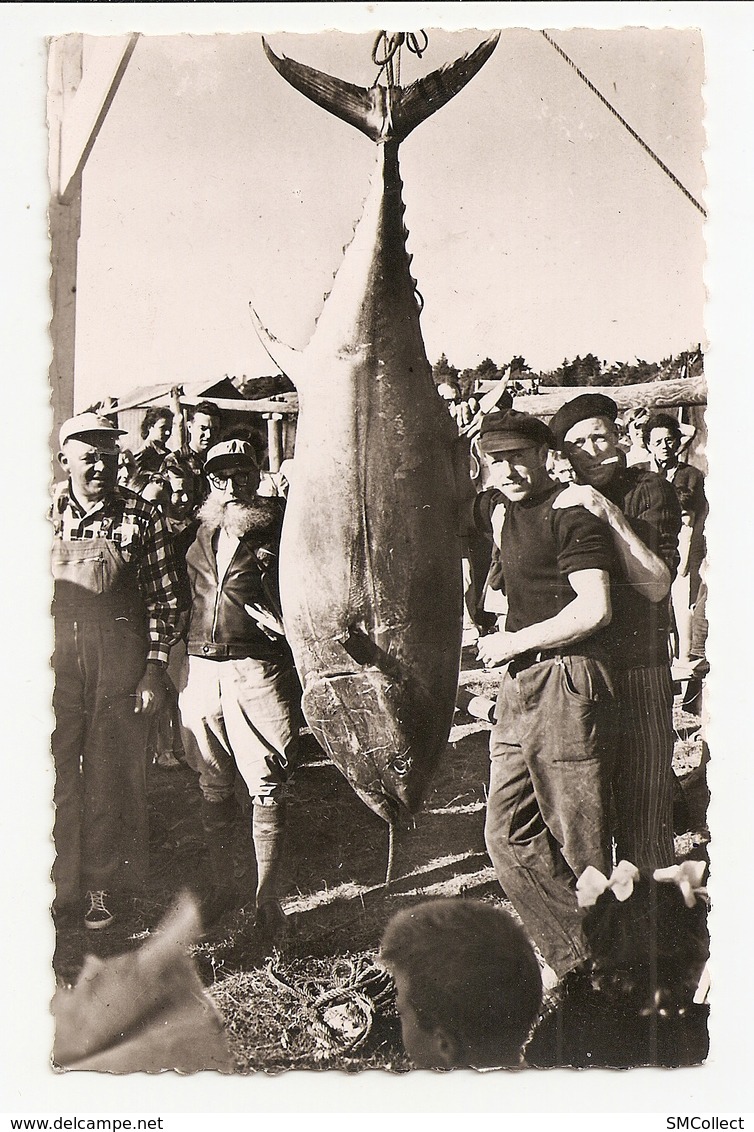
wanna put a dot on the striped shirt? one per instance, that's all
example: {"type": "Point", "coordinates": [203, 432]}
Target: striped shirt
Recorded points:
{"type": "Point", "coordinates": [139, 530]}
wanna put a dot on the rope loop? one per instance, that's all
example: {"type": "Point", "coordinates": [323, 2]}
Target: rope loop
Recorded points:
{"type": "Point", "coordinates": [386, 52]}
{"type": "Point", "coordinates": [391, 44]}
{"type": "Point", "coordinates": [413, 43]}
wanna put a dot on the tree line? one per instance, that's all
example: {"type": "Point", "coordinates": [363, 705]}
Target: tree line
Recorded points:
{"type": "Point", "coordinates": [579, 372]}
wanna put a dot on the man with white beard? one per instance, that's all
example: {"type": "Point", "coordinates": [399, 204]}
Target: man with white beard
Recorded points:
{"type": "Point", "coordinates": [240, 700]}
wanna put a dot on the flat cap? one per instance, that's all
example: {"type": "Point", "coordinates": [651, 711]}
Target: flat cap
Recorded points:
{"type": "Point", "coordinates": [81, 426]}
{"type": "Point", "coordinates": [231, 454]}
{"type": "Point", "coordinates": [504, 430]}
{"type": "Point", "coordinates": [581, 408]}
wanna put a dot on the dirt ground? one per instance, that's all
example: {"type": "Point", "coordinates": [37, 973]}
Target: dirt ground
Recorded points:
{"type": "Point", "coordinates": [318, 1001]}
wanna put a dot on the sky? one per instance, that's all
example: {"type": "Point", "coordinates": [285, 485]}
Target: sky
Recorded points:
{"type": "Point", "coordinates": [538, 226]}
{"type": "Point", "coordinates": [274, 260]}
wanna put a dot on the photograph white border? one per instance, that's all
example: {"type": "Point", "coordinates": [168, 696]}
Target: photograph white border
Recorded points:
{"type": "Point", "coordinates": [30, 1087]}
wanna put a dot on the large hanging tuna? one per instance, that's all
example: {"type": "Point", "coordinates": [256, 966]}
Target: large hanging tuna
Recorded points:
{"type": "Point", "coordinates": [370, 566]}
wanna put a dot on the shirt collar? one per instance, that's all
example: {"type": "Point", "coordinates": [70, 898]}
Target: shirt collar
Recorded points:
{"type": "Point", "coordinates": [105, 506]}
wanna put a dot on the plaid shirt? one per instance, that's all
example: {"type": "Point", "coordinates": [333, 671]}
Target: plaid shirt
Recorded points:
{"type": "Point", "coordinates": [138, 529]}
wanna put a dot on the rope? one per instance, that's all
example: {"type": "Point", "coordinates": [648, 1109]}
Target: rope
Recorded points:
{"type": "Point", "coordinates": [390, 852]}
{"type": "Point", "coordinates": [342, 1014]}
{"type": "Point", "coordinates": [386, 53]}
{"type": "Point", "coordinates": [623, 122]}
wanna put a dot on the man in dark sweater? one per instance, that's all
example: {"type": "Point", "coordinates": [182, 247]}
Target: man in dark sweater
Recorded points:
{"type": "Point", "coordinates": [240, 701]}
{"type": "Point", "coordinates": [662, 439]}
{"type": "Point", "coordinates": [550, 747]}
{"type": "Point", "coordinates": [643, 515]}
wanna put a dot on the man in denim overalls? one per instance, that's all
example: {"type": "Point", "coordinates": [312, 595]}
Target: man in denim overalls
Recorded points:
{"type": "Point", "coordinates": [115, 609]}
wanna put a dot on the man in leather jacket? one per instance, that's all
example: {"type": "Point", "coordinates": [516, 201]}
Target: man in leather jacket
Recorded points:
{"type": "Point", "coordinates": [240, 700]}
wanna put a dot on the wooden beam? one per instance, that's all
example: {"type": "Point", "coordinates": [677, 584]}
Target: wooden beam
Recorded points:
{"type": "Point", "coordinates": [647, 395]}
{"type": "Point", "coordinates": [81, 109]}
{"type": "Point", "coordinates": [263, 405]}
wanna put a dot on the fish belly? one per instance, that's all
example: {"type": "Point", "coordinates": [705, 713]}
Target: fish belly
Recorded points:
{"type": "Point", "coordinates": [371, 576]}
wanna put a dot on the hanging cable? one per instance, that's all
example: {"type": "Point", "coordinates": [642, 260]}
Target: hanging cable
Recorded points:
{"type": "Point", "coordinates": [623, 122]}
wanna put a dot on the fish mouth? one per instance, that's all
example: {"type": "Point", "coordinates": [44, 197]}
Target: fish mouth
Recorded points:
{"type": "Point", "coordinates": [369, 725]}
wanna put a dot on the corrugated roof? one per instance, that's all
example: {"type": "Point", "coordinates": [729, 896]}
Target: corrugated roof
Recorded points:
{"type": "Point", "coordinates": [151, 394]}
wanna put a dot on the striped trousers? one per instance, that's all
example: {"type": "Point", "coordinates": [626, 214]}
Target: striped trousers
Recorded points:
{"type": "Point", "coordinates": [643, 772]}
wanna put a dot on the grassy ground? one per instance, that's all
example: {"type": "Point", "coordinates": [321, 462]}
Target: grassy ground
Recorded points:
{"type": "Point", "coordinates": [319, 1002]}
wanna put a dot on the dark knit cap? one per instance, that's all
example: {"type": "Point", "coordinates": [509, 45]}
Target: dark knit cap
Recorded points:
{"type": "Point", "coordinates": [509, 429]}
{"type": "Point", "coordinates": [581, 408]}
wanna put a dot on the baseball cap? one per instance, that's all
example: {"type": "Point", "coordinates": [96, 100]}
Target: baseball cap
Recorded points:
{"type": "Point", "coordinates": [231, 454]}
{"type": "Point", "coordinates": [582, 408]}
{"type": "Point", "coordinates": [80, 427]}
{"type": "Point", "coordinates": [507, 429]}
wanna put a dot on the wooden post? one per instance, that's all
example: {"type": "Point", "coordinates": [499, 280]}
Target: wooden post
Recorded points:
{"type": "Point", "coordinates": [274, 440]}
{"type": "Point", "coordinates": [178, 435]}
{"type": "Point", "coordinates": [76, 107]}
{"type": "Point", "coordinates": [65, 225]}
{"type": "Point", "coordinates": [64, 76]}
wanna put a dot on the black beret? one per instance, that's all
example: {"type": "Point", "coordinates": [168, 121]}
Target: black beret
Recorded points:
{"type": "Point", "coordinates": [582, 408]}
{"type": "Point", "coordinates": [507, 429]}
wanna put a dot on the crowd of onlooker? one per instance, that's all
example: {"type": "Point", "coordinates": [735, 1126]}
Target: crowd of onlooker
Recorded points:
{"type": "Point", "coordinates": [655, 440]}
{"type": "Point", "coordinates": [188, 536]}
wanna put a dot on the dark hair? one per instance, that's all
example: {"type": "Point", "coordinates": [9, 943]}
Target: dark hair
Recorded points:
{"type": "Point", "coordinates": [649, 950]}
{"type": "Point", "coordinates": [660, 420]}
{"type": "Point", "coordinates": [152, 416]}
{"type": "Point", "coordinates": [208, 408]}
{"type": "Point", "coordinates": [138, 480]}
{"type": "Point", "coordinates": [471, 971]}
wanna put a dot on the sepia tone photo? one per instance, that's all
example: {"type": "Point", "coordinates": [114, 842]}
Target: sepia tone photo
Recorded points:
{"type": "Point", "coordinates": [378, 547]}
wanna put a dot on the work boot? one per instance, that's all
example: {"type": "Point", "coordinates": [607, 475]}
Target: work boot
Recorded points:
{"type": "Point", "coordinates": [218, 822]}
{"type": "Point", "coordinates": [268, 835]}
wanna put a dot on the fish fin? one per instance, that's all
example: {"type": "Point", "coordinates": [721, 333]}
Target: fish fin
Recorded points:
{"type": "Point", "coordinates": [418, 101]}
{"type": "Point", "coordinates": [352, 104]}
{"type": "Point", "coordinates": [288, 360]}
{"type": "Point", "coordinates": [383, 112]}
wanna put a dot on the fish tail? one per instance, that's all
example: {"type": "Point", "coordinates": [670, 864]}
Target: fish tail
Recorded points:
{"type": "Point", "coordinates": [420, 100]}
{"type": "Point", "coordinates": [383, 113]}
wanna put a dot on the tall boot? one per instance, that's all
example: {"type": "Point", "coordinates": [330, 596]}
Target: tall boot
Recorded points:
{"type": "Point", "coordinates": [268, 834]}
{"type": "Point", "coordinates": [218, 821]}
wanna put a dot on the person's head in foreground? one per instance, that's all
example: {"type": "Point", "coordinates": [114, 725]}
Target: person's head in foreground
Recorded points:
{"type": "Point", "coordinates": [647, 935]}
{"type": "Point", "coordinates": [468, 984]}
{"type": "Point", "coordinates": [514, 447]}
